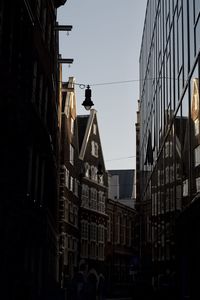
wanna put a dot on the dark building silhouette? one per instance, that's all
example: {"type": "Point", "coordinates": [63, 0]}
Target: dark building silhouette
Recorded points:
{"type": "Point", "coordinates": [121, 257]}
{"type": "Point", "coordinates": [69, 202]}
{"type": "Point", "coordinates": [169, 148]}
{"type": "Point", "coordinates": [94, 185]}
{"type": "Point", "coordinates": [29, 123]}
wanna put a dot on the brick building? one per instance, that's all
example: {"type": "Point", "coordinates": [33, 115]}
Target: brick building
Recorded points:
{"type": "Point", "coordinates": [93, 192]}
{"type": "Point", "coordinates": [29, 148]}
{"type": "Point", "coordinates": [69, 201]}
{"type": "Point", "coordinates": [120, 248]}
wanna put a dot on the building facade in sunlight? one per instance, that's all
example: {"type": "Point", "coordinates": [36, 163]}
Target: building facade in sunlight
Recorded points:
{"type": "Point", "coordinates": [29, 148]}
{"type": "Point", "coordinates": [69, 185]}
{"type": "Point", "coordinates": [169, 145]}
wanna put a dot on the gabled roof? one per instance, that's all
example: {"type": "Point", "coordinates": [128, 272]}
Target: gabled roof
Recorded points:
{"type": "Point", "coordinates": [82, 124]}
{"type": "Point", "coordinates": [85, 123]}
{"type": "Point", "coordinates": [86, 130]}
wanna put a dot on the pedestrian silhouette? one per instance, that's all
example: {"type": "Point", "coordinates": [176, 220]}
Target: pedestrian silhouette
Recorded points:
{"type": "Point", "coordinates": [101, 289]}
{"type": "Point", "coordinates": [92, 281]}
{"type": "Point", "coordinates": [79, 283]}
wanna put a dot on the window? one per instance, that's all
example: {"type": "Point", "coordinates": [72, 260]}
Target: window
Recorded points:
{"type": "Point", "coordinates": [101, 251]}
{"type": "Point", "coordinates": [196, 127]}
{"type": "Point", "coordinates": [101, 233]}
{"type": "Point", "coordinates": [94, 129]}
{"type": "Point", "coordinates": [84, 229]}
{"type": "Point", "coordinates": [87, 170]}
{"type": "Point", "coordinates": [167, 174]}
{"type": "Point", "coordinates": [185, 188]}
{"type": "Point", "coordinates": [94, 173]}
{"type": "Point", "coordinates": [168, 149]}
{"type": "Point", "coordinates": [101, 202]}
{"type": "Point", "coordinates": [84, 248]}
{"type": "Point", "coordinates": [198, 184]}
{"type": "Point", "coordinates": [71, 184]}
{"type": "Point", "coordinates": [85, 196]}
{"type": "Point", "coordinates": [95, 149]}
{"type": "Point", "coordinates": [76, 187]}
{"type": "Point", "coordinates": [72, 125]}
{"type": "Point", "coordinates": [66, 178]}
{"type": "Point", "coordinates": [75, 216]}
{"type": "Point", "coordinates": [101, 180]}
{"type": "Point", "coordinates": [93, 249]}
{"type": "Point", "coordinates": [93, 199]}
{"type": "Point", "coordinates": [71, 153]}
{"type": "Point", "coordinates": [93, 232]}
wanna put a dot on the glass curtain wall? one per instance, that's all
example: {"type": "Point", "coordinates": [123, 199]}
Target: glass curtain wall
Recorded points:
{"type": "Point", "coordinates": [169, 120]}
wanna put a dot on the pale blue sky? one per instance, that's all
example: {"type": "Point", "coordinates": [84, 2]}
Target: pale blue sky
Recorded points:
{"type": "Point", "coordinates": [105, 45]}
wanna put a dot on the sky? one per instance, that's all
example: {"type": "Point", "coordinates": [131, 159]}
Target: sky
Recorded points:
{"type": "Point", "coordinates": [105, 45]}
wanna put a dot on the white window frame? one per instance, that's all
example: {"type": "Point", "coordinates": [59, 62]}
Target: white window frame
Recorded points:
{"type": "Point", "coordinates": [94, 129]}
{"type": "Point", "coordinates": [101, 202]}
{"type": "Point", "coordinates": [87, 170]}
{"type": "Point", "coordinates": [93, 199]}
{"type": "Point", "coordinates": [71, 184]}
{"type": "Point", "coordinates": [71, 154]}
{"type": "Point", "coordinates": [94, 149]}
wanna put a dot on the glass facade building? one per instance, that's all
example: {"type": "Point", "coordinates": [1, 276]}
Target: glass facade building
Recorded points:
{"type": "Point", "coordinates": [170, 140]}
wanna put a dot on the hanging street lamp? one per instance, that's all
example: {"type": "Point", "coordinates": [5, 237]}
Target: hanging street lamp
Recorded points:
{"type": "Point", "coordinates": [87, 103]}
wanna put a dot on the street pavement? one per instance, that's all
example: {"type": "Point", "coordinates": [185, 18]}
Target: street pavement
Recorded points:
{"type": "Point", "coordinates": [118, 298]}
